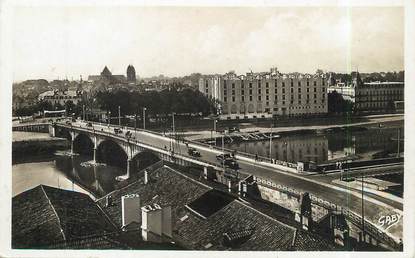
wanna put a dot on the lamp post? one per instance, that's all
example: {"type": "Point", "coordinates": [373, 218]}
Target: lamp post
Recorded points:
{"type": "Point", "coordinates": [363, 214]}
{"type": "Point", "coordinates": [144, 118]}
{"type": "Point", "coordinates": [109, 118]}
{"type": "Point", "coordinates": [270, 145]}
{"type": "Point", "coordinates": [119, 116]}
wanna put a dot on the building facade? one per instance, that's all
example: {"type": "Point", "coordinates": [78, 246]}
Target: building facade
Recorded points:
{"type": "Point", "coordinates": [61, 97]}
{"type": "Point", "coordinates": [379, 96]}
{"type": "Point", "coordinates": [265, 95]}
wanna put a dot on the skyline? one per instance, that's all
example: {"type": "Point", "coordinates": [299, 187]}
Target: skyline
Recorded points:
{"type": "Point", "coordinates": [177, 41]}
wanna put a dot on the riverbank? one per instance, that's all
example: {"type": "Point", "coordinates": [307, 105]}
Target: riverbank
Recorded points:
{"type": "Point", "coordinates": [30, 143]}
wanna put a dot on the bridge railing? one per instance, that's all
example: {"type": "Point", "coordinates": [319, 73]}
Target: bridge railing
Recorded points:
{"type": "Point", "coordinates": [241, 153]}
{"type": "Point", "coordinates": [352, 216]}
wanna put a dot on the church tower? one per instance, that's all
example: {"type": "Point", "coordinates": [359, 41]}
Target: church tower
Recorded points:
{"type": "Point", "coordinates": [131, 74]}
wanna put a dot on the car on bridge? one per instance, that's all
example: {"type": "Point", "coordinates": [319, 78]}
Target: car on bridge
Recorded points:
{"type": "Point", "coordinates": [193, 152]}
{"type": "Point", "coordinates": [231, 163]}
{"type": "Point", "coordinates": [89, 124]}
{"type": "Point", "coordinates": [117, 130]}
{"type": "Point", "coordinates": [225, 156]}
{"type": "Point", "coordinates": [68, 123]}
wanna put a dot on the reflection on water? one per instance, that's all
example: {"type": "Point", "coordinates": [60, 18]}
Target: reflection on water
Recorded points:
{"type": "Point", "coordinates": [65, 172]}
{"type": "Point", "coordinates": [367, 144]}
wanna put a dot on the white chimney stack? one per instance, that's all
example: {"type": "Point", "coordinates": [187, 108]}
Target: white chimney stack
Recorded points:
{"type": "Point", "coordinates": [145, 177]}
{"type": "Point", "coordinates": [156, 222]}
{"type": "Point", "coordinates": [130, 209]}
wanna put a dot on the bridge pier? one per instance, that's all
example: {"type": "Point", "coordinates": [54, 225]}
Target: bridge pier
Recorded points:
{"type": "Point", "coordinates": [95, 155]}
{"type": "Point", "coordinates": [129, 170]}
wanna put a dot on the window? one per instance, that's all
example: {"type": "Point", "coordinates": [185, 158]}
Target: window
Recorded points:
{"type": "Point", "coordinates": [299, 90]}
{"type": "Point", "coordinates": [224, 84]}
{"type": "Point", "coordinates": [250, 85]}
{"type": "Point", "coordinates": [225, 92]}
{"type": "Point", "coordinates": [315, 96]}
{"type": "Point", "coordinates": [276, 91]}
{"type": "Point", "coordinates": [250, 98]}
{"type": "Point", "coordinates": [308, 82]}
{"type": "Point", "coordinates": [267, 91]}
{"type": "Point", "coordinates": [315, 89]}
{"type": "Point", "coordinates": [259, 91]}
{"type": "Point", "coordinates": [250, 92]}
{"type": "Point", "coordinates": [267, 97]}
{"type": "Point", "coordinates": [283, 97]}
{"type": "Point", "coordinates": [299, 101]}
{"type": "Point", "coordinates": [259, 83]}
{"type": "Point", "coordinates": [275, 98]}
{"type": "Point", "coordinates": [283, 102]}
{"type": "Point", "coordinates": [315, 83]}
{"type": "Point", "coordinates": [292, 83]}
{"type": "Point", "coordinates": [283, 84]}
{"type": "Point", "coordinates": [242, 92]}
{"type": "Point", "coordinates": [233, 99]}
{"type": "Point", "coordinates": [243, 98]}
{"type": "Point", "coordinates": [299, 84]}
{"type": "Point", "coordinates": [267, 84]}
{"type": "Point", "coordinates": [225, 99]}
{"type": "Point", "coordinates": [323, 82]}
{"type": "Point", "coordinates": [233, 85]}
{"type": "Point", "coordinates": [299, 96]}
{"type": "Point", "coordinates": [292, 90]}
{"type": "Point", "coordinates": [259, 98]}
{"type": "Point", "coordinates": [233, 92]}
{"type": "Point", "coordinates": [242, 84]}
{"type": "Point", "coordinates": [308, 89]}
{"type": "Point", "coordinates": [283, 91]}
{"type": "Point", "coordinates": [207, 91]}
{"type": "Point", "coordinates": [323, 89]}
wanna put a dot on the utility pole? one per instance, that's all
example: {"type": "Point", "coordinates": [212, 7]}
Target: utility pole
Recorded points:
{"type": "Point", "coordinates": [109, 118]}
{"type": "Point", "coordinates": [399, 141]}
{"type": "Point", "coordinates": [363, 213]}
{"type": "Point", "coordinates": [223, 151]}
{"type": "Point", "coordinates": [144, 118]}
{"type": "Point", "coordinates": [270, 145]}
{"type": "Point", "coordinates": [83, 112]}
{"type": "Point", "coordinates": [119, 116]}
{"type": "Point", "coordinates": [214, 129]}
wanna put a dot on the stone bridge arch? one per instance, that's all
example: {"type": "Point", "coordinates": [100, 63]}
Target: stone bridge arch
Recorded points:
{"type": "Point", "coordinates": [112, 153]}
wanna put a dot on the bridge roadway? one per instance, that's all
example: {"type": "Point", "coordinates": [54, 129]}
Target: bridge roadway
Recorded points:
{"type": "Point", "coordinates": [374, 205]}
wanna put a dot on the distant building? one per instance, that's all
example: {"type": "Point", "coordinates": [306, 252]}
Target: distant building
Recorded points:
{"type": "Point", "coordinates": [272, 94]}
{"type": "Point", "coordinates": [61, 96]}
{"type": "Point", "coordinates": [131, 74]}
{"type": "Point", "coordinates": [379, 96]}
{"type": "Point", "coordinates": [371, 96]}
{"type": "Point", "coordinates": [107, 77]}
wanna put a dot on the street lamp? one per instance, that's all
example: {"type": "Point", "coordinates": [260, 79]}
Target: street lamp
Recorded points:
{"type": "Point", "coordinates": [270, 145]}
{"type": "Point", "coordinates": [144, 118]}
{"type": "Point", "coordinates": [109, 118]}
{"type": "Point", "coordinates": [119, 116]}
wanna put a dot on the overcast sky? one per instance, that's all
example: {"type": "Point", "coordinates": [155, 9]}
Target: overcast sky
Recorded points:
{"type": "Point", "coordinates": [175, 41]}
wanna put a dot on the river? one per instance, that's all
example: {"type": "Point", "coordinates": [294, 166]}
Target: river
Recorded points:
{"type": "Point", "coordinates": [65, 172]}
{"type": "Point", "coordinates": [364, 144]}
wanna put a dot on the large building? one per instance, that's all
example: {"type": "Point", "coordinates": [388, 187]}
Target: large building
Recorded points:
{"type": "Point", "coordinates": [371, 96]}
{"type": "Point", "coordinates": [264, 95]}
{"type": "Point", "coordinates": [61, 96]}
{"type": "Point", "coordinates": [107, 76]}
{"type": "Point", "coordinates": [379, 96]}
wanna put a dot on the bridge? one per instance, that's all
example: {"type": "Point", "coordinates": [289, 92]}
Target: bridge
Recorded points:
{"type": "Point", "coordinates": [105, 145]}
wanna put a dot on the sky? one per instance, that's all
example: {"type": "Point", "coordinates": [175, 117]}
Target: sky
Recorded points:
{"type": "Point", "coordinates": [58, 42]}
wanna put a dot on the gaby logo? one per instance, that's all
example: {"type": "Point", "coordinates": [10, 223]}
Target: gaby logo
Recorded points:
{"type": "Point", "coordinates": [389, 220]}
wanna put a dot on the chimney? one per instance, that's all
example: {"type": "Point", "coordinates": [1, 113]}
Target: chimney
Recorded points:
{"type": "Point", "coordinates": [130, 209]}
{"type": "Point", "coordinates": [156, 222]}
{"type": "Point", "coordinates": [145, 177]}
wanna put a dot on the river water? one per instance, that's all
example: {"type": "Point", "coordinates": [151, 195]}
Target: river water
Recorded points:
{"type": "Point", "coordinates": [65, 172]}
{"type": "Point", "coordinates": [364, 144]}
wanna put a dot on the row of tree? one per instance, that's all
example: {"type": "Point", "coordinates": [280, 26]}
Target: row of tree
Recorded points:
{"type": "Point", "coordinates": [161, 103]}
